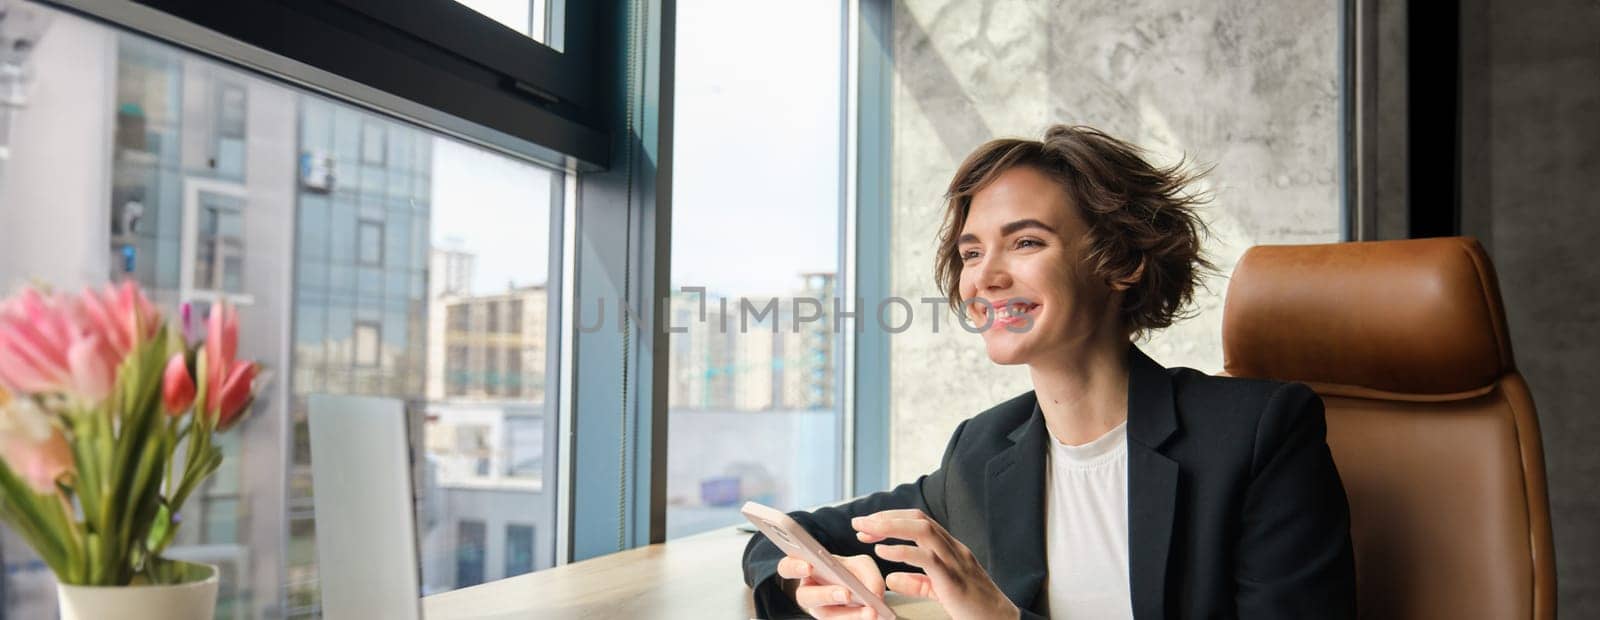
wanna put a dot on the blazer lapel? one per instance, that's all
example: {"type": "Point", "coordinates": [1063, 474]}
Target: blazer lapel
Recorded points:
{"type": "Point", "coordinates": [1152, 484]}
{"type": "Point", "coordinates": [1015, 498]}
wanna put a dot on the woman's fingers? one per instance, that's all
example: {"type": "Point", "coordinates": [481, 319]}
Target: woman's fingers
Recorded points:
{"type": "Point", "coordinates": [919, 529]}
{"type": "Point", "coordinates": [866, 571]}
{"type": "Point", "coordinates": [911, 584]}
{"type": "Point", "coordinates": [815, 597]}
{"type": "Point", "coordinates": [903, 524]}
{"type": "Point", "coordinates": [915, 555]}
{"type": "Point", "coordinates": [793, 568]}
{"type": "Point", "coordinates": [828, 600]}
{"type": "Point", "coordinates": [881, 527]}
{"type": "Point", "coordinates": [900, 513]}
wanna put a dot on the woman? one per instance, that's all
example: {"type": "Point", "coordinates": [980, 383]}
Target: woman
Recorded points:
{"type": "Point", "coordinates": [1115, 488]}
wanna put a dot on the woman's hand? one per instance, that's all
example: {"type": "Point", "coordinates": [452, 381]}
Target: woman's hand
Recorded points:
{"type": "Point", "coordinates": [954, 578]}
{"type": "Point", "coordinates": [830, 601]}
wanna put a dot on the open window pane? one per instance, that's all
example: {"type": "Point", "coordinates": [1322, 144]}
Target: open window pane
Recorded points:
{"type": "Point", "coordinates": [526, 17]}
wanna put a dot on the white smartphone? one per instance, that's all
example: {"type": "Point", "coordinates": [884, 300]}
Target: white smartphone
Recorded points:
{"type": "Point", "coordinates": [795, 541]}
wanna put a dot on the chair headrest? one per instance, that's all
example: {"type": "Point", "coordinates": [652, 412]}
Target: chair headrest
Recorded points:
{"type": "Point", "coordinates": [1418, 318]}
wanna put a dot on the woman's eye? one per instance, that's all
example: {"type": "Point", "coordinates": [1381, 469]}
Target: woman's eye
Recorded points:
{"type": "Point", "coordinates": [969, 255]}
{"type": "Point", "coordinates": [1028, 243]}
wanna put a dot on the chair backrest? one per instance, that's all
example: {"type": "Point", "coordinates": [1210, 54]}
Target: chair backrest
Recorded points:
{"type": "Point", "coordinates": [1432, 427]}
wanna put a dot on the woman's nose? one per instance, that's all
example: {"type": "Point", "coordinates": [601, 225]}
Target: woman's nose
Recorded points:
{"type": "Point", "coordinates": [992, 274]}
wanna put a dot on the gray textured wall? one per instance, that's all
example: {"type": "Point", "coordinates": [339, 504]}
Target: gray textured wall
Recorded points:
{"type": "Point", "coordinates": [1536, 159]}
{"type": "Point", "coordinates": [1250, 86]}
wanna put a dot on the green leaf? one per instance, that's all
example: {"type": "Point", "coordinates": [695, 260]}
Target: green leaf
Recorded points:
{"type": "Point", "coordinates": [201, 387]}
{"type": "Point", "coordinates": [24, 509]}
{"type": "Point", "coordinates": [88, 486]}
{"type": "Point", "coordinates": [163, 530]}
{"type": "Point", "coordinates": [95, 545]}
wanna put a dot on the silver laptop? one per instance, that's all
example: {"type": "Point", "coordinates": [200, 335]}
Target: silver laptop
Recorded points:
{"type": "Point", "coordinates": [366, 522]}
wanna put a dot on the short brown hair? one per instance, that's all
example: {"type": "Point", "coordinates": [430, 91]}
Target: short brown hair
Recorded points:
{"type": "Point", "coordinates": [1138, 215]}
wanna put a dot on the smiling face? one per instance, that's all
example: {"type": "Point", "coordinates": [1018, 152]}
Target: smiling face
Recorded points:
{"type": "Point", "coordinates": [1021, 251]}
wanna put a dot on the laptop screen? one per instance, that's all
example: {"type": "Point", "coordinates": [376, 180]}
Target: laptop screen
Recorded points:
{"type": "Point", "coordinates": [366, 521]}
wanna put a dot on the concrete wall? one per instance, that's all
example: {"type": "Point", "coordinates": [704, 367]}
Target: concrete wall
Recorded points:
{"type": "Point", "coordinates": [1536, 159]}
{"type": "Point", "coordinates": [1250, 86]}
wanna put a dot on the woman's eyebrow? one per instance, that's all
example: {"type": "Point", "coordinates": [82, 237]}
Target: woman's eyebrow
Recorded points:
{"type": "Point", "coordinates": [1009, 229]}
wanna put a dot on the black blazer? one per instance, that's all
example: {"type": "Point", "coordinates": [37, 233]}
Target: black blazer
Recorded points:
{"type": "Point", "coordinates": [1235, 508]}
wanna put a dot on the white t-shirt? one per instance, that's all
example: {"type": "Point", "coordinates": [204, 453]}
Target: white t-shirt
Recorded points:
{"type": "Point", "coordinates": [1086, 528]}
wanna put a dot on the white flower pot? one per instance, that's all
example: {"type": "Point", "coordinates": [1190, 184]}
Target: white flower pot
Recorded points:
{"type": "Point", "coordinates": [195, 600]}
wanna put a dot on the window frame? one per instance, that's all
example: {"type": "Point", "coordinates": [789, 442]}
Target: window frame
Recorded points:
{"type": "Point", "coordinates": [538, 69]}
{"type": "Point", "coordinates": [563, 242]}
{"type": "Point", "coordinates": [615, 241]}
{"type": "Point", "coordinates": [363, 225]}
{"type": "Point", "coordinates": [558, 111]}
{"type": "Point", "coordinates": [377, 344]}
{"type": "Point", "coordinates": [868, 94]}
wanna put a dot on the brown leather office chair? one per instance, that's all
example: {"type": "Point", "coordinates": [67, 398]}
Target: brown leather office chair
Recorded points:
{"type": "Point", "coordinates": [1432, 427]}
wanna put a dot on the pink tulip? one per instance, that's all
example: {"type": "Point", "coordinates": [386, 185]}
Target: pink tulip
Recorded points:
{"type": "Point", "coordinates": [93, 366]}
{"type": "Point", "coordinates": [177, 387]}
{"type": "Point", "coordinates": [36, 333]}
{"type": "Point", "coordinates": [236, 394]}
{"type": "Point", "coordinates": [222, 333]}
{"type": "Point", "coordinates": [56, 344]}
{"type": "Point", "coordinates": [228, 380]}
{"type": "Point", "coordinates": [121, 314]}
{"type": "Point", "coordinates": [222, 342]}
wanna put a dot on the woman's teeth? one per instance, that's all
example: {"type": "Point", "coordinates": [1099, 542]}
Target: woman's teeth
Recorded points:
{"type": "Point", "coordinates": [1014, 310]}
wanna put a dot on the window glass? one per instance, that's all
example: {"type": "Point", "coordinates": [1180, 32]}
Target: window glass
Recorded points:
{"type": "Point", "coordinates": [519, 549]}
{"type": "Point", "coordinates": [366, 337]}
{"type": "Point", "coordinates": [373, 148]}
{"type": "Point", "coordinates": [523, 460]}
{"type": "Point", "coordinates": [353, 244]}
{"type": "Point", "coordinates": [513, 321]}
{"type": "Point", "coordinates": [753, 406]}
{"type": "Point", "coordinates": [228, 155]}
{"type": "Point", "coordinates": [219, 244]}
{"type": "Point", "coordinates": [369, 243]}
{"type": "Point", "coordinates": [471, 552]}
{"type": "Point", "coordinates": [526, 17]}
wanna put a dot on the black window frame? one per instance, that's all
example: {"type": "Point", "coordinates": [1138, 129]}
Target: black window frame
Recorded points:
{"type": "Point", "coordinates": [447, 57]}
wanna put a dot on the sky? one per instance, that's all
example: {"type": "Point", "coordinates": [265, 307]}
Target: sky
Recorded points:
{"type": "Point", "coordinates": [514, 14]}
{"type": "Point", "coordinates": [755, 194]}
{"type": "Point", "coordinates": [756, 160]}
{"type": "Point", "coordinates": [495, 207]}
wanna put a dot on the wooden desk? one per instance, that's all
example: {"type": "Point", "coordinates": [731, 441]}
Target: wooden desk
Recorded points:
{"type": "Point", "coordinates": [692, 577]}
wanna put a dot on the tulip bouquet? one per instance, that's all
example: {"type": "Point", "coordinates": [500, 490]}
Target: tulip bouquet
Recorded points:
{"type": "Point", "coordinates": [107, 421]}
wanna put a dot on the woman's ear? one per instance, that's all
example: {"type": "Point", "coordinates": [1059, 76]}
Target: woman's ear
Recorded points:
{"type": "Point", "coordinates": [1132, 279]}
